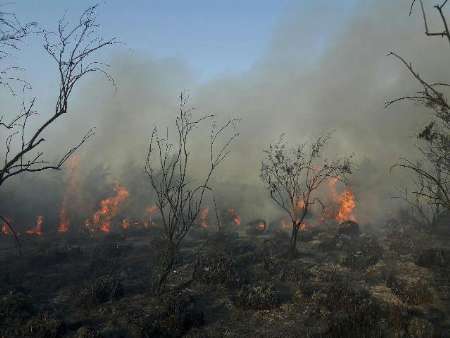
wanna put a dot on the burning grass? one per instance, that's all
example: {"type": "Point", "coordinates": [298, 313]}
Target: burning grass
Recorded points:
{"type": "Point", "coordinates": [235, 279]}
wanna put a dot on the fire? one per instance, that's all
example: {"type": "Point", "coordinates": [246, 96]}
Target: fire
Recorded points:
{"type": "Point", "coordinates": [73, 165]}
{"type": "Point", "coordinates": [346, 201]}
{"type": "Point", "coordinates": [304, 226]}
{"type": "Point", "coordinates": [300, 205]}
{"type": "Point", "coordinates": [204, 217]}
{"type": "Point", "coordinates": [262, 226]}
{"type": "Point", "coordinates": [285, 224]}
{"type": "Point", "coordinates": [236, 218]}
{"type": "Point", "coordinates": [347, 204]}
{"type": "Point", "coordinates": [38, 229]}
{"type": "Point", "coordinates": [125, 224]}
{"type": "Point", "coordinates": [5, 229]}
{"type": "Point", "coordinates": [151, 211]}
{"type": "Point", "coordinates": [108, 209]}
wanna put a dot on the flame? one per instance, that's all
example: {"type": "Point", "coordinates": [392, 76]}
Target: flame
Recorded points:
{"type": "Point", "coordinates": [300, 205]}
{"type": "Point", "coordinates": [73, 165]}
{"type": "Point", "coordinates": [285, 224]}
{"type": "Point", "coordinates": [38, 229]}
{"type": "Point", "coordinates": [151, 211]}
{"type": "Point", "coordinates": [108, 209]}
{"type": "Point", "coordinates": [261, 226]}
{"type": "Point", "coordinates": [125, 224]}
{"type": "Point", "coordinates": [203, 216]}
{"type": "Point", "coordinates": [304, 226]}
{"type": "Point", "coordinates": [347, 204]}
{"type": "Point", "coordinates": [5, 229]}
{"type": "Point", "coordinates": [345, 200]}
{"type": "Point", "coordinates": [234, 215]}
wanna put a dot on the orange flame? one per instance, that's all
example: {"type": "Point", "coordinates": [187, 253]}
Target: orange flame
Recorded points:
{"type": "Point", "coordinates": [347, 204]}
{"type": "Point", "coordinates": [204, 217]}
{"type": "Point", "coordinates": [262, 226]}
{"type": "Point", "coordinates": [285, 224]}
{"type": "Point", "coordinates": [73, 165]}
{"type": "Point", "coordinates": [125, 224]}
{"type": "Point", "coordinates": [38, 229]}
{"type": "Point", "coordinates": [304, 226]}
{"type": "Point", "coordinates": [108, 209]}
{"type": "Point", "coordinates": [5, 229]}
{"type": "Point", "coordinates": [234, 215]}
{"type": "Point", "coordinates": [151, 211]}
{"type": "Point", "coordinates": [300, 205]}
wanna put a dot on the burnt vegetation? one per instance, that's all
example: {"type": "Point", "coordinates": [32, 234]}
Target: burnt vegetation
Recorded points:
{"type": "Point", "coordinates": [192, 267]}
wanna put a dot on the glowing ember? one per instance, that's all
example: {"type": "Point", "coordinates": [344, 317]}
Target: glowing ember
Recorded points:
{"type": "Point", "coordinates": [38, 229]}
{"type": "Point", "coordinates": [236, 218]}
{"type": "Point", "coordinates": [151, 212]}
{"type": "Point", "coordinates": [5, 229]}
{"type": "Point", "coordinates": [304, 226]}
{"type": "Point", "coordinates": [108, 209]}
{"type": "Point", "coordinates": [204, 217]}
{"type": "Point", "coordinates": [73, 165]}
{"type": "Point", "coordinates": [285, 224]}
{"type": "Point", "coordinates": [125, 224]}
{"type": "Point", "coordinates": [262, 226]}
{"type": "Point", "coordinates": [300, 205]}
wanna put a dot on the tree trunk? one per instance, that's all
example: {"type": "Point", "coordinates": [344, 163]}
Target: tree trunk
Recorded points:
{"type": "Point", "coordinates": [293, 242]}
{"type": "Point", "coordinates": [167, 265]}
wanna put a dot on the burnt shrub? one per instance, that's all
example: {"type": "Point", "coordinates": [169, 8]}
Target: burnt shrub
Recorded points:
{"type": "Point", "coordinates": [295, 271]}
{"type": "Point", "coordinates": [181, 312]}
{"type": "Point", "coordinates": [101, 290]}
{"type": "Point", "coordinates": [87, 332]}
{"type": "Point", "coordinates": [410, 290]}
{"type": "Point", "coordinates": [15, 310]}
{"type": "Point", "coordinates": [434, 258]}
{"type": "Point", "coordinates": [362, 253]}
{"type": "Point", "coordinates": [349, 228]}
{"type": "Point", "coordinates": [215, 268]}
{"type": "Point", "coordinates": [350, 311]}
{"type": "Point", "coordinates": [15, 307]}
{"type": "Point", "coordinates": [258, 297]}
{"type": "Point", "coordinates": [43, 327]}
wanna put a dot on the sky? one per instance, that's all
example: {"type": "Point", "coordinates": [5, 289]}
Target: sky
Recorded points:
{"type": "Point", "coordinates": [214, 37]}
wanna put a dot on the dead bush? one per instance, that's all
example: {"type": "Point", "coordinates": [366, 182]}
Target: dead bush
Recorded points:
{"type": "Point", "coordinates": [44, 327]}
{"type": "Point", "coordinates": [258, 297]}
{"type": "Point", "coordinates": [216, 268]}
{"type": "Point", "coordinates": [350, 311]}
{"type": "Point", "coordinates": [100, 290]}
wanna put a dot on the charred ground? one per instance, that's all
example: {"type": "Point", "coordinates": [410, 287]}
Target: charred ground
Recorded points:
{"type": "Point", "coordinates": [236, 282]}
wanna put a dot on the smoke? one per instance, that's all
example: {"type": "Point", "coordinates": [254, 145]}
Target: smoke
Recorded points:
{"type": "Point", "coordinates": [323, 71]}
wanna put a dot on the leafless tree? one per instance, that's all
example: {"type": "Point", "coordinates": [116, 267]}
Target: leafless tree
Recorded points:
{"type": "Point", "coordinates": [178, 197]}
{"type": "Point", "coordinates": [72, 47]}
{"type": "Point", "coordinates": [293, 176]}
{"type": "Point", "coordinates": [432, 173]}
{"type": "Point", "coordinates": [12, 33]}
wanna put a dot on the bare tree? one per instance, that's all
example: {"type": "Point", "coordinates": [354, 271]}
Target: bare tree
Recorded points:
{"type": "Point", "coordinates": [178, 197]}
{"type": "Point", "coordinates": [293, 176]}
{"type": "Point", "coordinates": [431, 196]}
{"type": "Point", "coordinates": [73, 49]}
{"type": "Point", "coordinates": [12, 33]}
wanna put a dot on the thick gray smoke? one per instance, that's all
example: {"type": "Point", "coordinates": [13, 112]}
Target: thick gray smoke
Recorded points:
{"type": "Point", "coordinates": [319, 74]}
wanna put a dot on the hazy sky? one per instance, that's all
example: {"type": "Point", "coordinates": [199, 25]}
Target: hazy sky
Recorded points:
{"type": "Point", "coordinates": [297, 67]}
{"type": "Point", "coordinates": [214, 37]}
